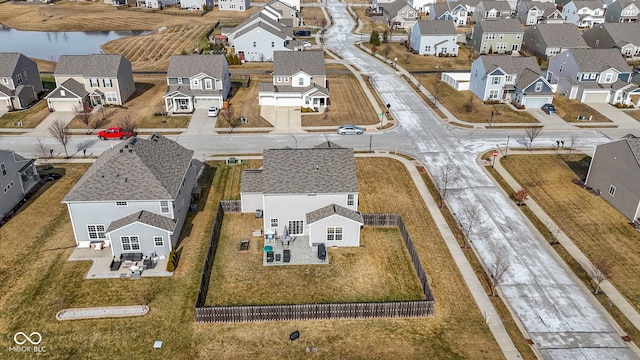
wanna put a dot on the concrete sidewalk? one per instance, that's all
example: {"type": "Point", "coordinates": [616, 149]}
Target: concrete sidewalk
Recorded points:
{"type": "Point", "coordinates": [614, 295]}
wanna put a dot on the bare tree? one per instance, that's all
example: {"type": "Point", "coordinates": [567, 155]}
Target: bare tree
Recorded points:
{"type": "Point", "coordinates": [99, 122]}
{"type": "Point", "coordinates": [83, 115]}
{"type": "Point", "coordinates": [600, 270]}
{"type": "Point", "coordinates": [386, 50]}
{"type": "Point", "coordinates": [470, 104]}
{"type": "Point", "coordinates": [60, 132]}
{"type": "Point", "coordinates": [443, 179]}
{"type": "Point", "coordinates": [127, 124]}
{"type": "Point", "coordinates": [436, 92]}
{"type": "Point", "coordinates": [572, 143]}
{"type": "Point", "coordinates": [41, 150]}
{"type": "Point", "coordinates": [229, 118]}
{"type": "Point", "coordinates": [497, 269]}
{"type": "Point", "coordinates": [532, 133]}
{"type": "Point", "coordinates": [471, 215]}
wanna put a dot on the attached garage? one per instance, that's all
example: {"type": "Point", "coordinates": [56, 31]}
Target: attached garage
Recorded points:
{"type": "Point", "coordinates": [595, 97]}
{"type": "Point", "coordinates": [266, 99]}
{"type": "Point", "coordinates": [206, 102]}
{"type": "Point", "coordinates": [288, 100]}
{"type": "Point", "coordinates": [536, 102]}
{"type": "Point", "coordinates": [64, 104]}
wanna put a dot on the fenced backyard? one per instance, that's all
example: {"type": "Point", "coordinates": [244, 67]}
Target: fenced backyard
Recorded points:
{"type": "Point", "coordinates": [253, 313]}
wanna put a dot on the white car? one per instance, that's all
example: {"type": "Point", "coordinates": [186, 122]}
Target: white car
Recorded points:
{"type": "Point", "coordinates": [213, 111]}
{"type": "Point", "coordinates": [306, 44]}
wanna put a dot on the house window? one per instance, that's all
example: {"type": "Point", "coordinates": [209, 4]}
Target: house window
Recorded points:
{"type": "Point", "coordinates": [121, 203]}
{"type": "Point", "coordinates": [592, 76]}
{"type": "Point", "coordinates": [5, 81]}
{"type": "Point", "coordinates": [307, 100]}
{"type": "Point", "coordinates": [286, 79]}
{"type": "Point", "coordinates": [18, 79]}
{"type": "Point", "coordinates": [94, 82]}
{"type": "Point", "coordinates": [484, 46]}
{"type": "Point", "coordinates": [274, 223]}
{"type": "Point", "coordinates": [296, 227]}
{"type": "Point", "coordinates": [62, 93]}
{"type": "Point", "coordinates": [538, 86]}
{"type": "Point", "coordinates": [514, 47]}
{"type": "Point", "coordinates": [427, 48]}
{"type": "Point", "coordinates": [273, 44]}
{"type": "Point", "coordinates": [164, 207]}
{"type": "Point", "coordinates": [208, 84]}
{"type": "Point", "coordinates": [608, 77]}
{"type": "Point", "coordinates": [561, 67]}
{"type": "Point", "coordinates": [495, 80]}
{"type": "Point", "coordinates": [111, 97]}
{"type": "Point", "coordinates": [180, 81]}
{"type": "Point", "coordinates": [254, 44]}
{"type": "Point", "coordinates": [351, 199]}
{"type": "Point", "coordinates": [279, 79]}
{"type": "Point", "coordinates": [501, 46]}
{"type": "Point", "coordinates": [158, 241]}
{"type": "Point", "coordinates": [96, 231]}
{"type": "Point", "coordinates": [334, 233]}
{"type": "Point", "coordinates": [300, 81]}
{"type": "Point", "coordinates": [106, 82]}
{"type": "Point", "coordinates": [3, 168]}
{"type": "Point", "coordinates": [489, 36]}
{"type": "Point", "coordinates": [493, 94]}
{"type": "Point", "coordinates": [612, 190]}
{"type": "Point", "coordinates": [130, 243]}
{"type": "Point", "coordinates": [509, 78]}
{"type": "Point", "coordinates": [501, 36]}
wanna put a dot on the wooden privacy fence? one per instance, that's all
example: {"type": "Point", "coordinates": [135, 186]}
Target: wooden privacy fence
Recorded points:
{"type": "Point", "coordinates": [249, 313]}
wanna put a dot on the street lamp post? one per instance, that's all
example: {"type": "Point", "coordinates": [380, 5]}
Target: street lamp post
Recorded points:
{"type": "Point", "coordinates": [506, 150]}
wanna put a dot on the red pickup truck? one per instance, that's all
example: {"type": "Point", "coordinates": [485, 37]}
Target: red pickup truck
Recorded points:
{"type": "Point", "coordinates": [114, 133]}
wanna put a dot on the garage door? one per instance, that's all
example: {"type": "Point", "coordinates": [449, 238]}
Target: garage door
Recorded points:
{"type": "Point", "coordinates": [60, 105]}
{"type": "Point", "coordinates": [536, 103]}
{"type": "Point", "coordinates": [592, 97]}
{"type": "Point", "coordinates": [293, 101]}
{"type": "Point", "coordinates": [266, 100]}
{"type": "Point", "coordinates": [203, 103]}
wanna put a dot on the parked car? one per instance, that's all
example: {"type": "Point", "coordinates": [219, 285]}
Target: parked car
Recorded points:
{"type": "Point", "coordinates": [306, 44]}
{"type": "Point", "coordinates": [213, 111]}
{"type": "Point", "coordinates": [350, 130]}
{"type": "Point", "coordinates": [114, 133]}
{"type": "Point", "coordinates": [549, 109]}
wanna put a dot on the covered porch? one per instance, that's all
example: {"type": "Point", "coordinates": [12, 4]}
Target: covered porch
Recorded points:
{"type": "Point", "coordinates": [178, 103]}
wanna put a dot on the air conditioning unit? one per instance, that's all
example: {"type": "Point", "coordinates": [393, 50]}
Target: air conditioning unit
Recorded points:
{"type": "Point", "coordinates": [258, 213]}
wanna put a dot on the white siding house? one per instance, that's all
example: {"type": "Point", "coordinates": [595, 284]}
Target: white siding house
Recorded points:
{"type": "Point", "coordinates": [17, 177]}
{"type": "Point", "coordinates": [437, 37]}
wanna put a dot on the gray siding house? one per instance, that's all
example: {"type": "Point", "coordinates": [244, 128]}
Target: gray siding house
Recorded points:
{"type": "Point", "coordinates": [546, 40]}
{"type": "Point", "coordinates": [399, 15]}
{"type": "Point", "coordinates": [496, 36]}
{"type": "Point", "coordinates": [622, 36]}
{"type": "Point", "coordinates": [20, 81]}
{"type": "Point", "coordinates": [491, 9]}
{"type": "Point", "coordinates": [196, 82]}
{"type": "Point", "coordinates": [623, 11]}
{"type": "Point", "coordinates": [317, 200]}
{"type": "Point", "coordinates": [615, 174]}
{"type": "Point", "coordinates": [134, 198]}
{"type": "Point", "coordinates": [537, 12]}
{"type": "Point", "coordinates": [17, 177]}
{"type": "Point", "coordinates": [299, 79]}
{"type": "Point", "coordinates": [91, 80]}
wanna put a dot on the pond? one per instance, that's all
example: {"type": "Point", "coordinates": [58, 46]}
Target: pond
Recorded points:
{"type": "Point", "coordinates": [50, 45]}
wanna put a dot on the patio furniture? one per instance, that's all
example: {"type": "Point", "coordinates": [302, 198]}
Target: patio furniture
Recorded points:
{"type": "Point", "coordinates": [269, 256]}
{"type": "Point", "coordinates": [322, 252]}
{"type": "Point", "coordinates": [131, 256]}
{"type": "Point", "coordinates": [115, 264]}
{"type": "Point", "coordinates": [244, 245]}
{"type": "Point", "coordinates": [278, 257]}
{"type": "Point", "coordinates": [286, 255]}
{"type": "Point", "coordinates": [149, 263]}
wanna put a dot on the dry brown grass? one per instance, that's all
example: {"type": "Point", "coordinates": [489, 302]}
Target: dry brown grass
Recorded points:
{"type": "Point", "coordinates": [39, 241]}
{"type": "Point", "coordinates": [591, 223]}
{"type": "Point", "coordinates": [30, 118]}
{"type": "Point", "coordinates": [310, 14]}
{"type": "Point", "coordinates": [379, 271]}
{"type": "Point", "coordinates": [347, 104]}
{"type": "Point", "coordinates": [455, 100]}
{"type": "Point", "coordinates": [570, 109]}
{"type": "Point", "coordinates": [245, 103]}
{"type": "Point", "coordinates": [634, 114]}
{"type": "Point", "coordinates": [420, 62]}
{"type": "Point", "coordinates": [368, 24]}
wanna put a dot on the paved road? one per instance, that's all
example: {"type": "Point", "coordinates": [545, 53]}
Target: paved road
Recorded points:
{"type": "Point", "coordinates": [558, 314]}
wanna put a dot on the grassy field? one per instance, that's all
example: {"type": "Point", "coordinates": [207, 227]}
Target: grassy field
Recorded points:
{"type": "Point", "coordinates": [30, 118]}
{"type": "Point", "coordinates": [591, 223]}
{"type": "Point", "coordinates": [47, 282]}
{"type": "Point", "coordinates": [379, 271]}
{"type": "Point", "coordinates": [570, 109]}
{"type": "Point", "coordinates": [412, 62]}
{"type": "Point", "coordinates": [634, 114]}
{"type": "Point", "coordinates": [455, 101]}
{"type": "Point", "coordinates": [245, 103]}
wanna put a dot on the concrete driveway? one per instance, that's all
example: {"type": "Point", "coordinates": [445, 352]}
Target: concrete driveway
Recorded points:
{"type": "Point", "coordinates": [43, 128]}
{"type": "Point", "coordinates": [201, 124]}
{"type": "Point", "coordinates": [285, 119]}
{"type": "Point", "coordinates": [549, 121]}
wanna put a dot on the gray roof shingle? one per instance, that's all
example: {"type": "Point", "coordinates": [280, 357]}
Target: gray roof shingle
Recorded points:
{"type": "Point", "coordinates": [623, 32]}
{"type": "Point", "coordinates": [437, 27]}
{"type": "Point", "coordinates": [566, 35]}
{"type": "Point", "coordinates": [502, 6]}
{"type": "Point", "coordinates": [187, 66]}
{"type": "Point", "coordinates": [634, 143]}
{"type": "Point", "coordinates": [500, 26]}
{"type": "Point", "coordinates": [290, 62]}
{"type": "Point", "coordinates": [136, 169]}
{"type": "Point", "coordinates": [597, 60]}
{"type": "Point", "coordinates": [144, 217]}
{"type": "Point", "coordinates": [510, 64]}
{"type": "Point", "coordinates": [526, 78]}
{"type": "Point", "coordinates": [8, 62]}
{"type": "Point", "coordinates": [591, 4]}
{"type": "Point", "coordinates": [73, 86]}
{"type": "Point", "coordinates": [251, 181]}
{"type": "Point", "coordinates": [96, 65]}
{"type": "Point", "coordinates": [333, 209]}
{"type": "Point", "coordinates": [307, 171]}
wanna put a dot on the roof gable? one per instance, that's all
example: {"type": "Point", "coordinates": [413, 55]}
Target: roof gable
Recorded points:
{"type": "Point", "coordinates": [509, 64]}
{"type": "Point", "coordinates": [8, 63]}
{"type": "Point", "coordinates": [333, 210]}
{"type": "Point", "coordinates": [96, 65]}
{"type": "Point", "coordinates": [436, 27]}
{"type": "Point", "coordinates": [291, 62]}
{"type": "Point", "coordinates": [143, 217]}
{"type": "Point", "coordinates": [193, 65]}
{"type": "Point", "coordinates": [566, 35]}
{"type": "Point", "coordinates": [597, 60]}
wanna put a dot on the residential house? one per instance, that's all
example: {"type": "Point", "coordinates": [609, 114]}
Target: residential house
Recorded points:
{"type": "Point", "coordinates": [546, 40]}
{"type": "Point", "coordinates": [258, 37]}
{"type": "Point", "coordinates": [295, 4]}
{"type": "Point", "coordinates": [282, 12]}
{"type": "Point", "coordinates": [377, 5]}
{"type": "Point", "coordinates": [299, 79]}
{"type": "Point", "coordinates": [516, 79]}
{"type": "Point", "coordinates": [20, 81]}
{"type": "Point", "coordinates": [592, 76]}
{"type": "Point", "coordinates": [197, 4]}
{"type": "Point", "coordinates": [85, 81]}
{"type": "Point", "coordinates": [451, 11]}
{"type": "Point", "coordinates": [491, 9]}
{"type": "Point", "coordinates": [155, 4]}
{"type": "Point", "coordinates": [614, 173]}
{"type": "Point", "coordinates": [196, 82]}
{"type": "Point", "coordinates": [470, 5]}
{"type": "Point", "coordinates": [17, 177]}
{"type": "Point", "coordinates": [134, 198]}
{"type": "Point", "coordinates": [584, 13]}
{"type": "Point", "coordinates": [317, 202]}
{"type": "Point", "coordinates": [234, 5]}
{"type": "Point", "coordinates": [537, 12]}
{"type": "Point", "coordinates": [622, 36]}
{"type": "Point", "coordinates": [437, 37]}
{"type": "Point", "coordinates": [422, 6]}
{"type": "Point", "coordinates": [399, 15]}
{"type": "Point", "coordinates": [623, 11]}
{"type": "Point", "coordinates": [496, 36]}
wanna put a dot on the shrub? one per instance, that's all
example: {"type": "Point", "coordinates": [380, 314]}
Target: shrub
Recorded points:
{"type": "Point", "coordinates": [172, 261]}
{"type": "Point", "coordinates": [374, 39]}
{"type": "Point", "coordinates": [374, 49]}
{"type": "Point", "coordinates": [520, 196]}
